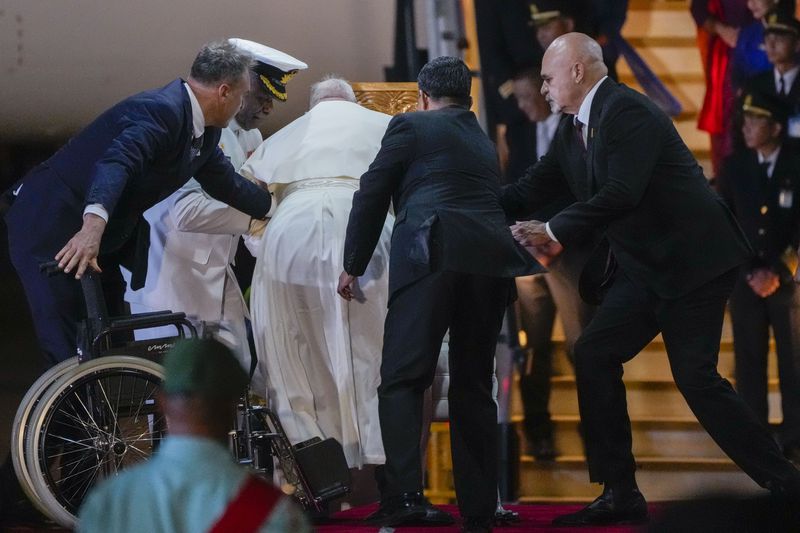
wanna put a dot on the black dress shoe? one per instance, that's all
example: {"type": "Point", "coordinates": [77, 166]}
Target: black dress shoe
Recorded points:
{"type": "Point", "coordinates": [477, 525]}
{"type": "Point", "coordinates": [611, 507]}
{"type": "Point", "coordinates": [504, 516]}
{"type": "Point", "coordinates": [542, 448]}
{"type": "Point", "coordinates": [408, 509]}
{"type": "Point", "coordinates": [792, 453]}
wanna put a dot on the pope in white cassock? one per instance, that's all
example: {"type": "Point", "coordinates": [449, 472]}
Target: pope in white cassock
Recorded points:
{"type": "Point", "coordinates": [322, 354]}
{"type": "Point", "coordinates": [193, 237]}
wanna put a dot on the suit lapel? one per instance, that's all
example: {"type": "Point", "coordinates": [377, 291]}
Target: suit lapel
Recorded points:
{"type": "Point", "coordinates": [594, 121]}
{"type": "Point", "coordinates": [183, 169]}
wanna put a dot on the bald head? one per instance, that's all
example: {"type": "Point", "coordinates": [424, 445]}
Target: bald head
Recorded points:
{"type": "Point", "coordinates": [571, 66]}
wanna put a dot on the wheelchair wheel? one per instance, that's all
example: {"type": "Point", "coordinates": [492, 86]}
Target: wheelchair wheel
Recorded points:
{"type": "Point", "coordinates": [97, 419]}
{"type": "Point", "coordinates": [19, 430]}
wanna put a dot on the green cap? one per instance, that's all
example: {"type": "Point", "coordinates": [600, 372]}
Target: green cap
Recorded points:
{"type": "Point", "coordinates": [203, 367]}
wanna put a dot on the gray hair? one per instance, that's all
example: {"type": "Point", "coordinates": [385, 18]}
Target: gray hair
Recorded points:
{"type": "Point", "coordinates": [331, 87]}
{"type": "Point", "coordinates": [220, 62]}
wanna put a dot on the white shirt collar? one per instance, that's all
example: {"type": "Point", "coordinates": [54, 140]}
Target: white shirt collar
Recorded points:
{"type": "Point", "coordinates": [788, 77]}
{"type": "Point", "coordinates": [234, 126]}
{"type": "Point", "coordinates": [586, 106]}
{"type": "Point", "coordinates": [770, 159]}
{"type": "Point", "coordinates": [198, 120]}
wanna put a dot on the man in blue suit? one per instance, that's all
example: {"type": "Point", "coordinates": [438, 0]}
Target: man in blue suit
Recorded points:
{"type": "Point", "coordinates": [84, 205]}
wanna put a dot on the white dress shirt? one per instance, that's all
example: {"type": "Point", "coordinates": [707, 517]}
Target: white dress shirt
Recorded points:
{"type": "Point", "coordinates": [788, 78]}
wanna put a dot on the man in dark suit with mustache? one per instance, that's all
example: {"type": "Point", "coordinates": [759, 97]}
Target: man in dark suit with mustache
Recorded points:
{"type": "Point", "coordinates": [84, 205]}
{"type": "Point", "coordinates": [451, 267]}
{"type": "Point", "coordinates": [678, 249]}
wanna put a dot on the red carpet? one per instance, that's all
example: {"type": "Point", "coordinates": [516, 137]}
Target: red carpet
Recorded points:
{"type": "Point", "coordinates": [533, 518]}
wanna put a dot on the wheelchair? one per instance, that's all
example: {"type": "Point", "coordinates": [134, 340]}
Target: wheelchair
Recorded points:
{"type": "Point", "coordinates": [91, 416]}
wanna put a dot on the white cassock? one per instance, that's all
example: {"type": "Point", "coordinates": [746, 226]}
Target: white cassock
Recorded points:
{"type": "Point", "coordinates": [193, 241]}
{"type": "Point", "coordinates": [322, 354]}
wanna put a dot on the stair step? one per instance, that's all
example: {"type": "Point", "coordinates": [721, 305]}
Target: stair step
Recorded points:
{"type": "Point", "coordinates": [665, 60]}
{"type": "Point", "coordinates": [657, 5]}
{"type": "Point", "coordinates": [654, 399]}
{"type": "Point", "coordinates": [652, 437]}
{"type": "Point", "coordinates": [659, 479]}
{"type": "Point", "coordinates": [652, 363]}
{"type": "Point", "coordinates": [689, 94]}
{"type": "Point", "coordinates": [661, 24]}
{"type": "Point", "coordinates": [645, 42]}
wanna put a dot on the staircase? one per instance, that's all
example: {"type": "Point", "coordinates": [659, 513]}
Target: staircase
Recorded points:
{"type": "Point", "coordinates": [676, 458]}
{"type": "Point", "coordinates": [664, 34]}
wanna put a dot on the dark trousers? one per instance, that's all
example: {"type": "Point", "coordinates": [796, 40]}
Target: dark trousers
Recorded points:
{"type": "Point", "coordinates": [471, 307]}
{"type": "Point", "coordinates": [752, 318]}
{"type": "Point", "coordinates": [539, 296]}
{"type": "Point", "coordinates": [57, 303]}
{"type": "Point", "coordinates": [628, 319]}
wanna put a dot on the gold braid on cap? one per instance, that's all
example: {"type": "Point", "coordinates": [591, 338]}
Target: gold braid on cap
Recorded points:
{"type": "Point", "coordinates": [288, 76]}
{"type": "Point", "coordinates": [283, 81]}
{"type": "Point", "coordinates": [748, 107]}
{"type": "Point", "coordinates": [271, 88]}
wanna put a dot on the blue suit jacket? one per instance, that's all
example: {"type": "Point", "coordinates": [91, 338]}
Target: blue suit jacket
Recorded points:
{"type": "Point", "coordinates": [132, 156]}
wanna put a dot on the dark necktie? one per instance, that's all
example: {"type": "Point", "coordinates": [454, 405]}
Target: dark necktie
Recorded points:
{"type": "Point", "coordinates": [579, 134]}
{"type": "Point", "coordinates": [782, 86]}
{"type": "Point", "coordinates": [197, 143]}
{"type": "Point", "coordinates": [764, 169]}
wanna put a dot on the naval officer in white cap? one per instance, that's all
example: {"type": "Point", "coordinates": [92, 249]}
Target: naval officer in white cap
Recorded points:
{"type": "Point", "coordinates": [193, 238]}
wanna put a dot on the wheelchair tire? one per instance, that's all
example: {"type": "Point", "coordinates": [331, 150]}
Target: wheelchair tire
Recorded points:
{"type": "Point", "coordinates": [19, 430]}
{"type": "Point", "coordinates": [97, 419]}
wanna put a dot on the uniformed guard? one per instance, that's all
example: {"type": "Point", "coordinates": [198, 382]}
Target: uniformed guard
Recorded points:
{"type": "Point", "coordinates": [761, 184]}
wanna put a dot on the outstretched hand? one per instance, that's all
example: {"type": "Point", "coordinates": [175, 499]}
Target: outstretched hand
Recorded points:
{"type": "Point", "coordinates": [545, 253]}
{"type": "Point", "coordinates": [530, 233]}
{"type": "Point", "coordinates": [82, 249]}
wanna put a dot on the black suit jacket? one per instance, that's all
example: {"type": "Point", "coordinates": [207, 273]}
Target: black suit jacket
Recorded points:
{"type": "Point", "coordinates": [764, 82]}
{"type": "Point", "coordinates": [755, 200]}
{"type": "Point", "coordinates": [440, 172]}
{"type": "Point", "coordinates": [132, 156]}
{"type": "Point", "coordinates": [639, 182]}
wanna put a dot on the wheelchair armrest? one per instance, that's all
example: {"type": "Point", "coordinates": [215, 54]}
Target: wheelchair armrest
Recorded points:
{"type": "Point", "coordinates": [147, 320]}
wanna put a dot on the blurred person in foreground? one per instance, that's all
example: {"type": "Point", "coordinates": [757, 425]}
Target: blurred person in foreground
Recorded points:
{"type": "Point", "coordinates": [192, 483]}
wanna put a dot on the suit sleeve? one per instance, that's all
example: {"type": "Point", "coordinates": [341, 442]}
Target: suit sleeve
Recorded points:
{"type": "Point", "coordinates": [371, 201]}
{"type": "Point", "coordinates": [149, 129]}
{"type": "Point", "coordinates": [218, 179]}
{"type": "Point", "coordinates": [542, 185]}
{"type": "Point", "coordinates": [193, 211]}
{"type": "Point", "coordinates": [725, 187]}
{"type": "Point", "coordinates": [634, 140]}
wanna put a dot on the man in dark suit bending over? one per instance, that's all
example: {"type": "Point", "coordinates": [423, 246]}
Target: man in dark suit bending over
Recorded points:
{"type": "Point", "coordinates": [677, 248]}
{"type": "Point", "coordinates": [84, 205]}
{"type": "Point", "coordinates": [451, 266]}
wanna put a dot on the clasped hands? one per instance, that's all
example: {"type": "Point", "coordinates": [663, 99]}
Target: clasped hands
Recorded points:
{"type": "Point", "coordinates": [532, 234]}
{"type": "Point", "coordinates": [763, 281]}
